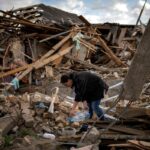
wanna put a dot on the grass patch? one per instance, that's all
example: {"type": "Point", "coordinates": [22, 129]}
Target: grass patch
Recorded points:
{"type": "Point", "coordinates": [24, 131]}
{"type": "Point", "coordinates": [8, 140]}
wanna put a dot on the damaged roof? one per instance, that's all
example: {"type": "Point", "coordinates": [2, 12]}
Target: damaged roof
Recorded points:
{"type": "Point", "coordinates": [49, 13]}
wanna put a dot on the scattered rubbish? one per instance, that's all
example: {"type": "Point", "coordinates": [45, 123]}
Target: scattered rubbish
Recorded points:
{"type": "Point", "coordinates": [38, 44]}
{"type": "Point", "coordinates": [79, 116]}
{"type": "Point", "coordinates": [47, 136]}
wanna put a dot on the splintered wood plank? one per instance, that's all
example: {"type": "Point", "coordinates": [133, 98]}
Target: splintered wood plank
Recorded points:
{"type": "Point", "coordinates": [110, 52]}
{"type": "Point", "coordinates": [148, 112]}
{"type": "Point", "coordinates": [67, 138]}
{"type": "Point", "coordinates": [58, 60]}
{"type": "Point", "coordinates": [124, 137]}
{"type": "Point", "coordinates": [37, 64]}
{"type": "Point", "coordinates": [127, 145]}
{"type": "Point", "coordinates": [53, 57]}
{"type": "Point", "coordinates": [86, 64]}
{"type": "Point", "coordinates": [115, 34]}
{"type": "Point", "coordinates": [54, 36]}
{"type": "Point", "coordinates": [27, 23]}
{"type": "Point", "coordinates": [104, 45]}
{"type": "Point", "coordinates": [28, 70]}
{"type": "Point", "coordinates": [139, 145]}
{"type": "Point", "coordinates": [14, 71]}
{"type": "Point", "coordinates": [122, 35]}
{"type": "Point", "coordinates": [144, 143]}
{"type": "Point", "coordinates": [132, 112]}
{"type": "Point", "coordinates": [126, 130]}
{"type": "Point", "coordinates": [56, 47]}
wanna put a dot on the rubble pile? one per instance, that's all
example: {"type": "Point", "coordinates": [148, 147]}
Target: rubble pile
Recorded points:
{"type": "Point", "coordinates": [28, 116]}
{"type": "Point", "coordinates": [37, 45]}
{"type": "Point", "coordinates": [26, 38]}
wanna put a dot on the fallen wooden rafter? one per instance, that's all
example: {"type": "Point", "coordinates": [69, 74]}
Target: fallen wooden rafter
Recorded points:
{"type": "Point", "coordinates": [56, 47]}
{"type": "Point", "coordinates": [104, 45]}
{"type": "Point", "coordinates": [39, 64]}
{"type": "Point", "coordinates": [91, 66]}
{"type": "Point", "coordinates": [53, 57]}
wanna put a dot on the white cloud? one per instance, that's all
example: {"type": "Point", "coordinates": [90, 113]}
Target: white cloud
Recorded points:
{"type": "Point", "coordinates": [136, 11]}
{"type": "Point", "coordinates": [93, 18]}
{"type": "Point", "coordinates": [98, 11]}
{"type": "Point", "coordinates": [111, 17]}
{"type": "Point", "coordinates": [145, 15]}
{"type": "Point", "coordinates": [75, 3]}
{"type": "Point", "coordinates": [73, 6]}
{"type": "Point", "coordinates": [141, 3]}
{"type": "Point", "coordinates": [13, 4]}
{"type": "Point", "coordinates": [122, 7]}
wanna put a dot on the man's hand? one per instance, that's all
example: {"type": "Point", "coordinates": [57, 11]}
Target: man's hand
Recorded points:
{"type": "Point", "coordinates": [72, 113]}
{"type": "Point", "coordinates": [85, 105]}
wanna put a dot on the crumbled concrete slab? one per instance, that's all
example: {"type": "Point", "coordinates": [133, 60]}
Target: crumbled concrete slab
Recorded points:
{"type": "Point", "coordinates": [6, 124]}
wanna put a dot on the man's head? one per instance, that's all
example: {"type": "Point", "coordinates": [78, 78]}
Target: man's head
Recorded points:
{"type": "Point", "coordinates": [66, 80]}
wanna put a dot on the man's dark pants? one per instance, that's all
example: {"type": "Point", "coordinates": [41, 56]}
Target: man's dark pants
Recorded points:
{"type": "Point", "coordinates": [94, 107]}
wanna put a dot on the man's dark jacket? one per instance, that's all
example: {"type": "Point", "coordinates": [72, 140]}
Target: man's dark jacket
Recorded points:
{"type": "Point", "coordinates": [88, 86]}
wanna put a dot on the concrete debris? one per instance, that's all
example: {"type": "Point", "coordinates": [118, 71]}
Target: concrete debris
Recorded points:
{"type": "Point", "coordinates": [92, 136]}
{"type": "Point", "coordinates": [40, 43]}
{"type": "Point", "coordinates": [6, 124]}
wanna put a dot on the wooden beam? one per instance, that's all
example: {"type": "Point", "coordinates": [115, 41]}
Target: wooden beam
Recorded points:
{"type": "Point", "coordinates": [122, 35]}
{"type": "Point", "coordinates": [58, 60]}
{"type": "Point", "coordinates": [107, 137]}
{"type": "Point", "coordinates": [124, 137]}
{"type": "Point", "coordinates": [30, 24]}
{"type": "Point", "coordinates": [88, 45]}
{"type": "Point", "coordinates": [52, 58]}
{"type": "Point", "coordinates": [37, 64]}
{"type": "Point", "coordinates": [115, 32]}
{"type": "Point", "coordinates": [14, 71]}
{"type": "Point", "coordinates": [54, 36]}
{"type": "Point", "coordinates": [126, 130]}
{"type": "Point", "coordinates": [25, 73]}
{"type": "Point", "coordinates": [110, 52]}
{"type": "Point", "coordinates": [104, 45]}
{"type": "Point", "coordinates": [56, 47]}
{"type": "Point", "coordinates": [143, 145]}
{"type": "Point", "coordinates": [101, 69]}
{"type": "Point", "coordinates": [125, 145]}
{"type": "Point", "coordinates": [132, 112]}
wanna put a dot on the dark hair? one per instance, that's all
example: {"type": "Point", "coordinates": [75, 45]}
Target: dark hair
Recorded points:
{"type": "Point", "coordinates": [64, 78]}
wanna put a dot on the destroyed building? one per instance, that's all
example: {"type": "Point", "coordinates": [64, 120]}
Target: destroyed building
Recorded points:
{"type": "Point", "coordinates": [39, 43]}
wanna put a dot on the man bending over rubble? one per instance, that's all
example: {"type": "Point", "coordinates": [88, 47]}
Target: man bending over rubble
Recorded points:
{"type": "Point", "coordinates": [89, 88]}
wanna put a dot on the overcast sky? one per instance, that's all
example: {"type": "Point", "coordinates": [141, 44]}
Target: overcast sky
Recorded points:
{"type": "Point", "coordinates": [96, 11]}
